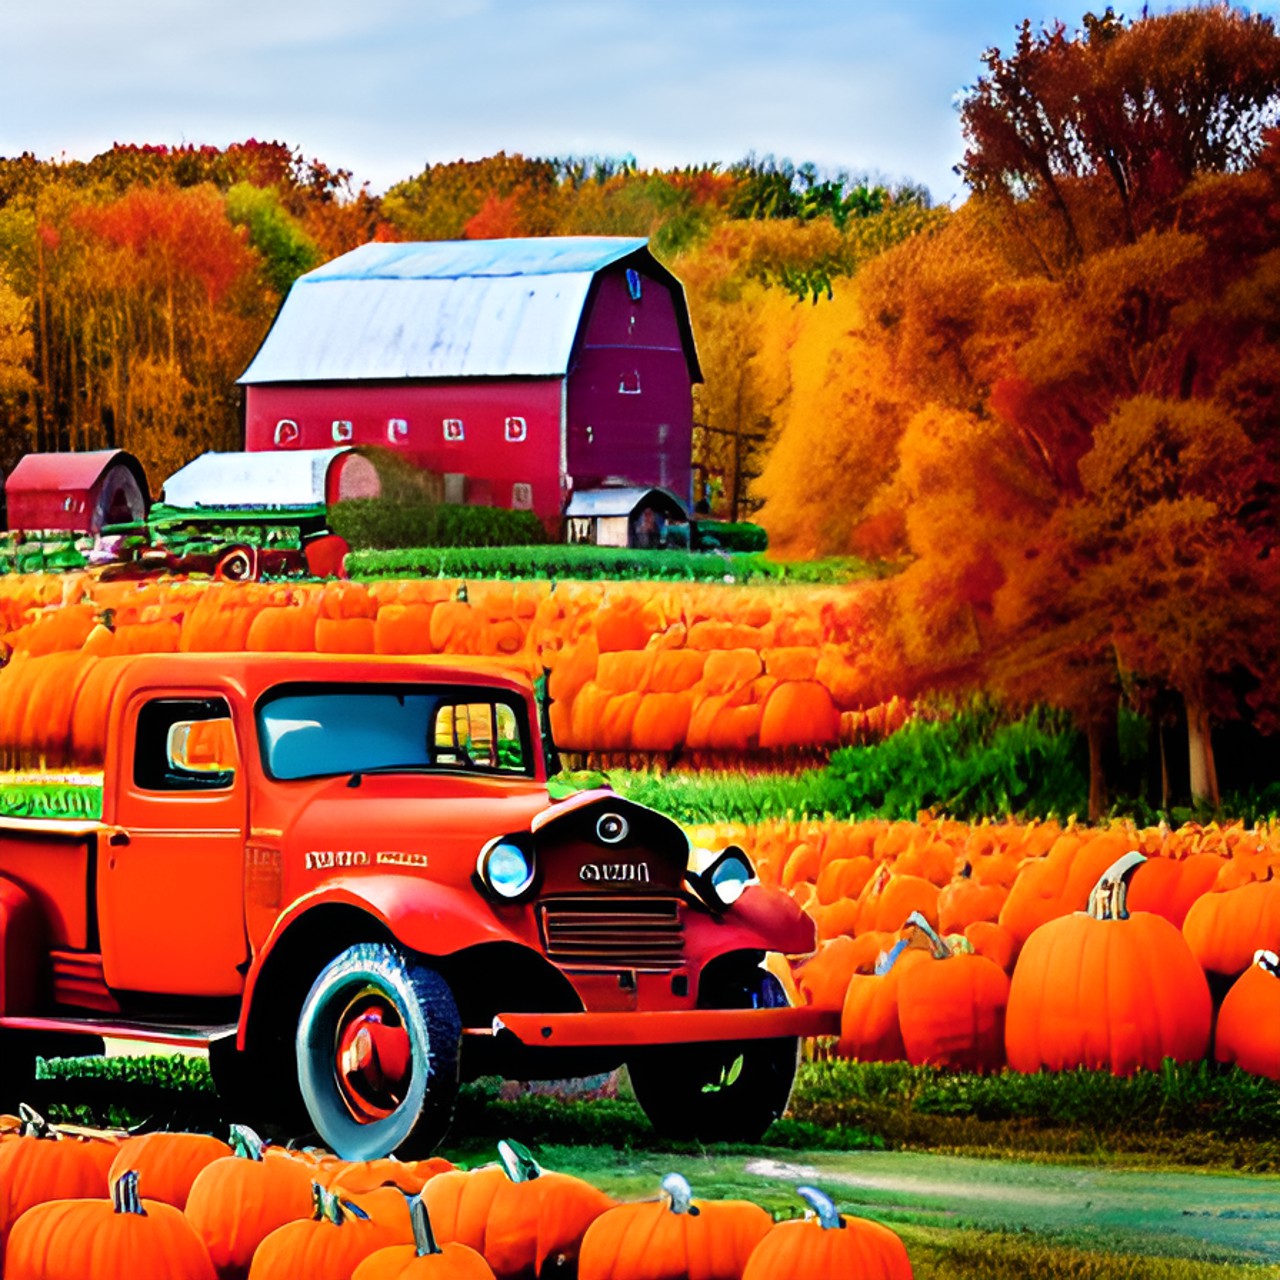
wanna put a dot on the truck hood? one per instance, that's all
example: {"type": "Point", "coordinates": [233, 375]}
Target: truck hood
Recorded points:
{"type": "Point", "coordinates": [405, 821]}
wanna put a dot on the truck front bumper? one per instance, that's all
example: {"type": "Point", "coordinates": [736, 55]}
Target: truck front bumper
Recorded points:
{"type": "Point", "coordinates": [684, 1026]}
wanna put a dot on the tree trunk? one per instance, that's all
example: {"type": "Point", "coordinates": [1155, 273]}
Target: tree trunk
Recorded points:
{"type": "Point", "coordinates": [1103, 737]}
{"type": "Point", "coordinates": [1204, 776]}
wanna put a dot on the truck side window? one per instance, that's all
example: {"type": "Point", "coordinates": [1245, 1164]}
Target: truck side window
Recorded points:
{"type": "Point", "coordinates": [185, 744]}
{"type": "Point", "coordinates": [485, 733]}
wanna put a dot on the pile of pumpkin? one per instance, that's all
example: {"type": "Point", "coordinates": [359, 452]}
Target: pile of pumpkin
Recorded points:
{"type": "Point", "coordinates": [636, 667]}
{"type": "Point", "coordinates": [183, 1206]}
{"type": "Point", "coordinates": [1059, 949]}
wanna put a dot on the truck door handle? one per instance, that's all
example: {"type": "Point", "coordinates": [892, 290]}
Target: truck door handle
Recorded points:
{"type": "Point", "coordinates": [118, 838]}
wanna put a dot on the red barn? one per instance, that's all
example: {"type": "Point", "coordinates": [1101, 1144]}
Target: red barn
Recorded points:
{"type": "Point", "coordinates": [522, 371]}
{"type": "Point", "coordinates": [76, 492]}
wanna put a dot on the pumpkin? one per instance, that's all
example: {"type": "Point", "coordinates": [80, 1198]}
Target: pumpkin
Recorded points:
{"type": "Point", "coordinates": [828, 1247]}
{"type": "Point", "coordinates": [1169, 886]}
{"type": "Point", "coordinates": [425, 1258]}
{"type": "Point", "coordinates": [328, 1245]}
{"type": "Point", "coordinates": [964, 901]}
{"type": "Point", "coordinates": [1224, 929]}
{"type": "Point", "coordinates": [869, 1026]}
{"type": "Point", "coordinates": [951, 1013]}
{"type": "Point", "coordinates": [168, 1162]}
{"type": "Point", "coordinates": [514, 1213]}
{"type": "Point", "coordinates": [675, 1239]}
{"type": "Point", "coordinates": [236, 1201]}
{"type": "Point", "coordinates": [1248, 1031]}
{"type": "Point", "coordinates": [43, 1163]}
{"type": "Point", "coordinates": [1107, 990]}
{"type": "Point", "coordinates": [123, 1238]}
{"type": "Point", "coordinates": [362, 1176]}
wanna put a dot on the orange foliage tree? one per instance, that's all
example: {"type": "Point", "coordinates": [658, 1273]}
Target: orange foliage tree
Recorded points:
{"type": "Point", "coordinates": [1059, 409]}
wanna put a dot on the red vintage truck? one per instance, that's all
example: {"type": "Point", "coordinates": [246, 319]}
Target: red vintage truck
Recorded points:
{"type": "Point", "coordinates": [346, 879]}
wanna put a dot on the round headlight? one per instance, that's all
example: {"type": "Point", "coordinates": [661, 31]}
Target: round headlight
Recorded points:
{"type": "Point", "coordinates": [612, 828]}
{"type": "Point", "coordinates": [505, 868]}
{"type": "Point", "coordinates": [730, 875]}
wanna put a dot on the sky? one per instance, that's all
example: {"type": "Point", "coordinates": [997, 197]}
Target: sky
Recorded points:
{"type": "Point", "coordinates": [385, 87]}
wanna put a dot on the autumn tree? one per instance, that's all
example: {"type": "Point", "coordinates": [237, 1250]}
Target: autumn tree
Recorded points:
{"type": "Point", "coordinates": [1104, 292]}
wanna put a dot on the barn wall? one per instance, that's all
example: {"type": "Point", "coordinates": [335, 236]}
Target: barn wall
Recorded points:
{"type": "Point", "coordinates": [492, 463]}
{"type": "Point", "coordinates": [630, 401]}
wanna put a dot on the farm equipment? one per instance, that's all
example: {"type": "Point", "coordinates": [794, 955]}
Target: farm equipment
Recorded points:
{"type": "Point", "coordinates": [238, 516]}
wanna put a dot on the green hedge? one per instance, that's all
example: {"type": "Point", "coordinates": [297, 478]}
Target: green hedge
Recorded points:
{"type": "Point", "coordinates": [375, 523]}
{"type": "Point", "coordinates": [712, 534]}
{"type": "Point", "coordinates": [590, 562]}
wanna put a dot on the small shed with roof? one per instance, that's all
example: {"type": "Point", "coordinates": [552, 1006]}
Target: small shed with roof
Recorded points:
{"type": "Point", "coordinates": [521, 371]}
{"type": "Point", "coordinates": [76, 492]}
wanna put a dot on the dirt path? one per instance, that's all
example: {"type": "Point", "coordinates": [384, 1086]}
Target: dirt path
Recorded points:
{"type": "Point", "coordinates": [1216, 1217]}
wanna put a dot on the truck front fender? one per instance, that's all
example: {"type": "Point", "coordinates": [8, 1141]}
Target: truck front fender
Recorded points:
{"type": "Point", "coordinates": [433, 919]}
{"type": "Point", "coordinates": [22, 947]}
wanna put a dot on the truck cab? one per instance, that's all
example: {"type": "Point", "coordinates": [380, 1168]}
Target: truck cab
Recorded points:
{"type": "Point", "coordinates": [347, 880]}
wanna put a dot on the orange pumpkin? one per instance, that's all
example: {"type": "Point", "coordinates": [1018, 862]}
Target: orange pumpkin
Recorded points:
{"type": "Point", "coordinates": [237, 1201]}
{"type": "Point", "coordinates": [1106, 990]}
{"type": "Point", "coordinates": [869, 1026]}
{"type": "Point", "coordinates": [118, 1239]}
{"type": "Point", "coordinates": [1224, 929]}
{"type": "Point", "coordinates": [1248, 1031]}
{"type": "Point", "coordinates": [675, 1239]}
{"type": "Point", "coordinates": [168, 1162]}
{"type": "Point", "coordinates": [514, 1213]}
{"type": "Point", "coordinates": [425, 1258]}
{"type": "Point", "coordinates": [828, 1247]}
{"type": "Point", "coordinates": [43, 1163]}
{"type": "Point", "coordinates": [328, 1245]}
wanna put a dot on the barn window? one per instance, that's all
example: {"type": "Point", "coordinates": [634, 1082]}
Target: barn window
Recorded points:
{"type": "Point", "coordinates": [453, 429]}
{"type": "Point", "coordinates": [522, 495]}
{"type": "Point", "coordinates": [633, 284]}
{"type": "Point", "coordinates": [342, 430]}
{"type": "Point", "coordinates": [287, 433]}
{"type": "Point", "coordinates": [517, 430]}
{"type": "Point", "coordinates": [630, 384]}
{"type": "Point", "coordinates": [397, 430]}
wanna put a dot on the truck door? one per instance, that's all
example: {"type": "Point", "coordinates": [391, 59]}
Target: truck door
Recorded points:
{"type": "Point", "coordinates": [170, 867]}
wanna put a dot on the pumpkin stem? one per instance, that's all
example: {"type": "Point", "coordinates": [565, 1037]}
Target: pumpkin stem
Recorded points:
{"type": "Point", "coordinates": [1107, 901]}
{"type": "Point", "coordinates": [34, 1125]}
{"type": "Point", "coordinates": [245, 1143]}
{"type": "Point", "coordinates": [676, 1185]}
{"type": "Point", "coordinates": [937, 946]}
{"type": "Point", "coordinates": [517, 1161]}
{"type": "Point", "coordinates": [823, 1205]}
{"type": "Point", "coordinates": [1268, 962]}
{"type": "Point", "coordinates": [424, 1239]}
{"type": "Point", "coordinates": [124, 1195]}
{"type": "Point", "coordinates": [318, 1195]}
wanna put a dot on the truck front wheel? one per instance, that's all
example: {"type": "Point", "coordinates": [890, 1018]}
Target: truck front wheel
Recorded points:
{"type": "Point", "coordinates": [730, 1091]}
{"type": "Point", "coordinates": [378, 1043]}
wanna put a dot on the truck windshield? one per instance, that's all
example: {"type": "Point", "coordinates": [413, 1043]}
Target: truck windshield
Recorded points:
{"type": "Point", "coordinates": [316, 731]}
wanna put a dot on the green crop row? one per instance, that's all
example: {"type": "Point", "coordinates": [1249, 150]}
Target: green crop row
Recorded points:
{"type": "Point", "coordinates": [62, 800]}
{"type": "Point", "coordinates": [591, 562]}
{"type": "Point", "coordinates": [968, 765]}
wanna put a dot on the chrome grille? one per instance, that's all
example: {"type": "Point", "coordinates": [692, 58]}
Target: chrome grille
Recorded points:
{"type": "Point", "coordinates": [614, 933]}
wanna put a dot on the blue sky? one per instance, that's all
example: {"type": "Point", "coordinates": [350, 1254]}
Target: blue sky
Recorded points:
{"type": "Point", "coordinates": [384, 87]}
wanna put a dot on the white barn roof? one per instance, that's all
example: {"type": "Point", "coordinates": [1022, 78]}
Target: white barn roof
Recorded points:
{"type": "Point", "coordinates": [440, 309]}
{"type": "Point", "coordinates": [288, 478]}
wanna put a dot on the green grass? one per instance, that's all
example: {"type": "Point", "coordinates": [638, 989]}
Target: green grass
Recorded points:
{"type": "Point", "coordinates": [68, 801]}
{"type": "Point", "coordinates": [585, 563]}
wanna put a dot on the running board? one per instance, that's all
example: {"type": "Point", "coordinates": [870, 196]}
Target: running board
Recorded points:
{"type": "Point", "coordinates": [181, 1037]}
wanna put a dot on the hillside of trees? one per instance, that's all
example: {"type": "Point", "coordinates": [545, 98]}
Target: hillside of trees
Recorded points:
{"type": "Point", "coordinates": [135, 288]}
